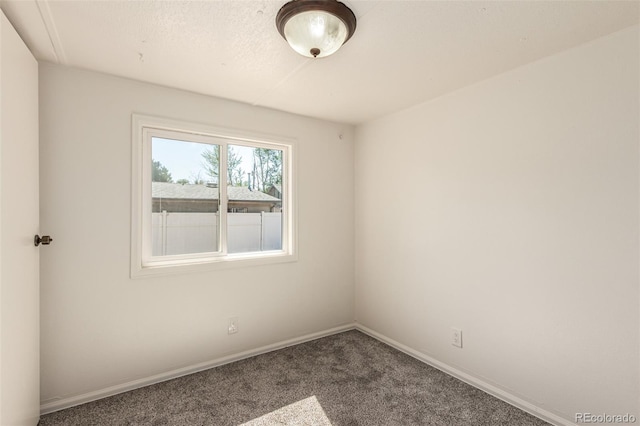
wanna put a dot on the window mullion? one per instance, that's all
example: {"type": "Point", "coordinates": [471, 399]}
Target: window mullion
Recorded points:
{"type": "Point", "coordinates": [222, 186]}
{"type": "Point", "coordinates": [284, 200]}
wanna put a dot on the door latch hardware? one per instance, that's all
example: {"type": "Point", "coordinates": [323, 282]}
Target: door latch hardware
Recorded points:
{"type": "Point", "coordinates": [45, 240]}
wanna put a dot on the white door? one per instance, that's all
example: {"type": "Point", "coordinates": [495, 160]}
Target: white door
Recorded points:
{"type": "Point", "coordinates": [19, 259]}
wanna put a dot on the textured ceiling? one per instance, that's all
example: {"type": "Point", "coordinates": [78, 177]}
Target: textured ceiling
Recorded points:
{"type": "Point", "coordinates": [403, 52]}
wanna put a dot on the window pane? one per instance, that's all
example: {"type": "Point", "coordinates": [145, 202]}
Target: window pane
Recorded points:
{"type": "Point", "coordinates": [254, 221]}
{"type": "Point", "coordinates": [185, 197]}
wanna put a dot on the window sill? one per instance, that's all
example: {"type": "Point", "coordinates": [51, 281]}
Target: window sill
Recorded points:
{"type": "Point", "coordinates": [240, 260]}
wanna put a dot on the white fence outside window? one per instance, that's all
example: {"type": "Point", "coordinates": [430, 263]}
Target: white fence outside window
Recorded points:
{"type": "Point", "coordinates": [183, 233]}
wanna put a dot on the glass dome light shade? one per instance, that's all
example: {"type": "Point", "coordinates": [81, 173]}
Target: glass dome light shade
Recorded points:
{"type": "Point", "coordinates": [316, 28]}
{"type": "Point", "coordinates": [308, 31]}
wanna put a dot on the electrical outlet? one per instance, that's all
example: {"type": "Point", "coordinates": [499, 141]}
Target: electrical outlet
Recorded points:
{"type": "Point", "coordinates": [456, 337]}
{"type": "Point", "coordinates": [233, 325]}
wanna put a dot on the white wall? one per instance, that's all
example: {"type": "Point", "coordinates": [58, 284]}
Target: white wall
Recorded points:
{"type": "Point", "coordinates": [511, 211]}
{"type": "Point", "coordinates": [99, 327]}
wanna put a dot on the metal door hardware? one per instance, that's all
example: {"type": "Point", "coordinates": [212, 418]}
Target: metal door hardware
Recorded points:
{"type": "Point", "coordinates": [45, 240]}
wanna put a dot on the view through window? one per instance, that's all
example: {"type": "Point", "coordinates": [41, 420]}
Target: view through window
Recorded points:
{"type": "Point", "coordinates": [215, 198]}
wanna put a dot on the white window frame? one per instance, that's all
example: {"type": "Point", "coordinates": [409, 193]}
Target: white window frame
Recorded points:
{"type": "Point", "coordinates": [143, 264]}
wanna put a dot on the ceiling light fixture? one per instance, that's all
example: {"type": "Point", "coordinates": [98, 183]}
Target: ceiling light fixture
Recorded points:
{"type": "Point", "coordinates": [316, 28]}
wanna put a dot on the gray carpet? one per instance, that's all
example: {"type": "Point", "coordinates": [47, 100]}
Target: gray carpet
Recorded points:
{"type": "Point", "coordinates": [345, 379]}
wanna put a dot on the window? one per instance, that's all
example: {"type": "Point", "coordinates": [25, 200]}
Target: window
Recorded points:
{"type": "Point", "coordinates": [205, 198]}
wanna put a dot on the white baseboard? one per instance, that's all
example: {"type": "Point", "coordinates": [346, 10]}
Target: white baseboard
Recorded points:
{"type": "Point", "coordinates": [62, 403]}
{"type": "Point", "coordinates": [471, 380]}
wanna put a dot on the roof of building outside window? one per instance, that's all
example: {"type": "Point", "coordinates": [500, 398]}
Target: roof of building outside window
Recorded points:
{"type": "Point", "coordinates": [204, 192]}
